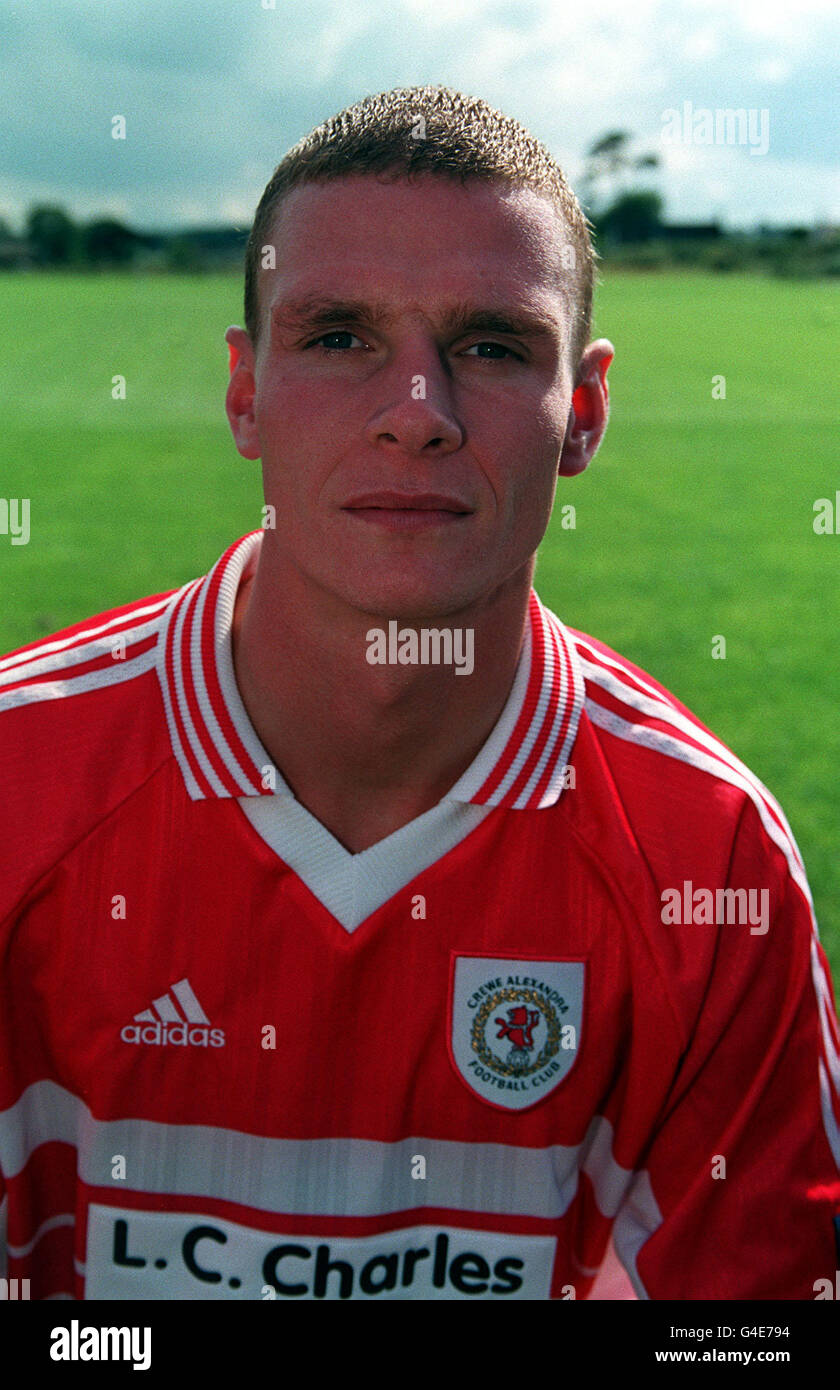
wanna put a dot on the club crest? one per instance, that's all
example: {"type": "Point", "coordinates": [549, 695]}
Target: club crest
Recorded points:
{"type": "Point", "coordinates": [515, 1026]}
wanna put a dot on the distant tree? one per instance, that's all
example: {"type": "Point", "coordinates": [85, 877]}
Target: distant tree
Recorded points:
{"type": "Point", "coordinates": [184, 254]}
{"type": "Point", "coordinates": [608, 162]}
{"type": "Point", "coordinates": [107, 242]}
{"type": "Point", "coordinates": [13, 251]}
{"type": "Point", "coordinates": [634, 217]}
{"type": "Point", "coordinates": [52, 235]}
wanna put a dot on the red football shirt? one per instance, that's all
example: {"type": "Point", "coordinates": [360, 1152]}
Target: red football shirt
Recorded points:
{"type": "Point", "coordinates": [570, 1034]}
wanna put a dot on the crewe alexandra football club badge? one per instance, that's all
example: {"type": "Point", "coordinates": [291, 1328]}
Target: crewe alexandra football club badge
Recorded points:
{"type": "Point", "coordinates": [515, 1026]}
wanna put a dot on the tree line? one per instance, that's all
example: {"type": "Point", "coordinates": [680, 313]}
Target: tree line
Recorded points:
{"type": "Point", "coordinates": [51, 239]}
{"type": "Point", "coordinates": [617, 190]}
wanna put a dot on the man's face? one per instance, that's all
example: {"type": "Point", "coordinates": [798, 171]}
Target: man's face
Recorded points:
{"type": "Point", "coordinates": [411, 389]}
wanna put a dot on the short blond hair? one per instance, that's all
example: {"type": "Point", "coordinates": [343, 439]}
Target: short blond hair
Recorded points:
{"type": "Point", "coordinates": [462, 138]}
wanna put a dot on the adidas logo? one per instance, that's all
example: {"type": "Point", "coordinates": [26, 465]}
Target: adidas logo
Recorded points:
{"type": "Point", "coordinates": [162, 1025]}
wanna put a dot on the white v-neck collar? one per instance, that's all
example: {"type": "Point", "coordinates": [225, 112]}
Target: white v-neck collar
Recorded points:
{"type": "Point", "coordinates": [353, 886]}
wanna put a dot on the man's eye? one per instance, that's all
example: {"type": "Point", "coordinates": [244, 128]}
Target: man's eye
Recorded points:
{"type": "Point", "coordinates": [330, 343]}
{"type": "Point", "coordinates": [496, 354]}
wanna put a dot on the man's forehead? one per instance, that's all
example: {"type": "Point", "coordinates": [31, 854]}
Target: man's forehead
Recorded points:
{"type": "Point", "coordinates": [446, 241]}
{"type": "Point", "coordinates": [429, 207]}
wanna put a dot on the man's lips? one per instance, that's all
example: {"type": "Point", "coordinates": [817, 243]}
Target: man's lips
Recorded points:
{"type": "Point", "coordinates": [407, 502]}
{"type": "Point", "coordinates": [406, 511]}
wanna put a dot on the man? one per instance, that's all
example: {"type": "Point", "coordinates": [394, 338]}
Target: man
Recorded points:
{"type": "Point", "coordinates": [366, 932]}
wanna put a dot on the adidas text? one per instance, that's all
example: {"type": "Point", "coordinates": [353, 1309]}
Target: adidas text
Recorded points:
{"type": "Point", "coordinates": [173, 1034]}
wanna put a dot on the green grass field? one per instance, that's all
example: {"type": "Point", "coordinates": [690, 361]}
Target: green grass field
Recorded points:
{"type": "Point", "coordinates": [694, 522]}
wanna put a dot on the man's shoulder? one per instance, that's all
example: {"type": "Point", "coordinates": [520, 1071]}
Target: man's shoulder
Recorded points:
{"type": "Point", "coordinates": [98, 656]}
{"type": "Point", "coordinates": [682, 792]}
{"type": "Point", "coordinates": [607, 674]}
{"type": "Point", "coordinates": [646, 725]}
{"type": "Point", "coordinates": [82, 725]}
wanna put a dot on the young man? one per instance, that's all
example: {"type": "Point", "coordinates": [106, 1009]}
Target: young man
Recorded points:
{"type": "Point", "coordinates": [366, 933]}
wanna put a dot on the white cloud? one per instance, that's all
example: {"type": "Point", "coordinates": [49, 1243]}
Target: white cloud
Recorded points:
{"type": "Point", "coordinates": [773, 70]}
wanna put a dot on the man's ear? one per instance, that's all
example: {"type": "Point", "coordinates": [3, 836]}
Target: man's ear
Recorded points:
{"type": "Point", "coordinates": [590, 409]}
{"type": "Point", "coordinates": [239, 401]}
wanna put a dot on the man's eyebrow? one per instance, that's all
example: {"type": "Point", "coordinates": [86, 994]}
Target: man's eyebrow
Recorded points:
{"type": "Point", "coordinates": [519, 323]}
{"type": "Point", "coordinates": [316, 310]}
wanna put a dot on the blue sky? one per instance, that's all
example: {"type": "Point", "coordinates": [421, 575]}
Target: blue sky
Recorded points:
{"type": "Point", "coordinates": [214, 92]}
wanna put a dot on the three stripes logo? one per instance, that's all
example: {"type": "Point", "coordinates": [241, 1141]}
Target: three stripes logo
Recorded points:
{"type": "Point", "coordinates": [163, 1025]}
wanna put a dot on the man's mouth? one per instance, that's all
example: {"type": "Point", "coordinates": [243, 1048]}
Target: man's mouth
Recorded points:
{"type": "Point", "coordinates": [407, 511]}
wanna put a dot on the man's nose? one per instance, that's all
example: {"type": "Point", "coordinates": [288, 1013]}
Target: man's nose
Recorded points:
{"type": "Point", "coordinates": [419, 416]}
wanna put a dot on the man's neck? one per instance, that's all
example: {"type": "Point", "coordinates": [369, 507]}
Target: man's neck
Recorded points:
{"type": "Point", "coordinates": [367, 748]}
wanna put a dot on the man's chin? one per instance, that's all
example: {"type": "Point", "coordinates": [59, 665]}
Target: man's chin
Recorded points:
{"type": "Point", "coordinates": [414, 613]}
{"type": "Point", "coordinates": [452, 594]}
{"type": "Point", "coordinates": [412, 603]}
